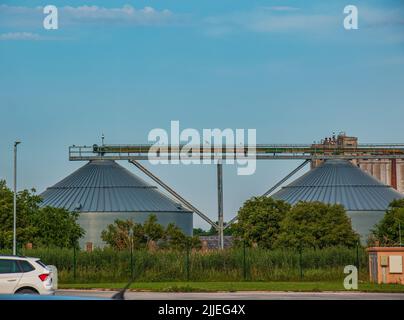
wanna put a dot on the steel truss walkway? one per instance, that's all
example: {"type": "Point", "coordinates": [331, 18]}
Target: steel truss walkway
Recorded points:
{"type": "Point", "coordinates": [260, 152]}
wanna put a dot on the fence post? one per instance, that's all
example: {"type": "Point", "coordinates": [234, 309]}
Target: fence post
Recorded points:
{"type": "Point", "coordinates": [301, 262]}
{"type": "Point", "coordinates": [74, 263]}
{"type": "Point", "coordinates": [18, 249]}
{"type": "Point", "coordinates": [187, 261]}
{"type": "Point", "coordinates": [357, 256]}
{"type": "Point", "coordinates": [132, 272]}
{"type": "Point", "coordinates": [131, 261]}
{"type": "Point", "coordinates": [244, 261]}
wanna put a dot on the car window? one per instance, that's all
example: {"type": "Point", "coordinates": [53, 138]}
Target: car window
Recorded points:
{"type": "Point", "coordinates": [41, 263]}
{"type": "Point", "coordinates": [9, 266]}
{"type": "Point", "coordinates": [26, 266]}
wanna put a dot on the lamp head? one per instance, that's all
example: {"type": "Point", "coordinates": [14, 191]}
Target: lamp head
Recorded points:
{"type": "Point", "coordinates": [17, 143]}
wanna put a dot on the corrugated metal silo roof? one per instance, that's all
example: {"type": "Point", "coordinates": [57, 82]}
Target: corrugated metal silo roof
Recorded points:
{"type": "Point", "coordinates": [339, 181]}
{"type": "Point", "coordinates": [106, 186]}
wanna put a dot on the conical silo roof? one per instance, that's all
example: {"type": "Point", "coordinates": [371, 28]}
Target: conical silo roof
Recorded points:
{"type": "Point", "coordinates": [339, 181]}
{"type": "Point", "coordinates": [106, 186]}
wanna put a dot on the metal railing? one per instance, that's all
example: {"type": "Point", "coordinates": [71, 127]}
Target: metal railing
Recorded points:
{"type": "Point", "coordinates": [259, 151]}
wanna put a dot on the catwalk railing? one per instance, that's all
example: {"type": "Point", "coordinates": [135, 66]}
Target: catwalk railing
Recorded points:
{"type": "Point", "coordinates": [259, 152]}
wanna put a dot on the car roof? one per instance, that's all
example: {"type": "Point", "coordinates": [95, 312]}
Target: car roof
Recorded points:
{"type": "Point", "coordinates": [17, 257]}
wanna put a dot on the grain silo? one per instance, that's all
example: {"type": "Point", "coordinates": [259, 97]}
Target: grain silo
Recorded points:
{"type": "Point", "coordinates": [339, 181]}
{"type": "Point", "coordinates": [103, 190]}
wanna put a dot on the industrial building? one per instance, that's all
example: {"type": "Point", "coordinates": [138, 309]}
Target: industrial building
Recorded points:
{"type": "Point", "coordinates": [336, 177]}
{"type": "Point", "coordinates": [388, 171]}
{"type": "Point", "coordinates": [103, 191]}
{"type": "Point", "coordinates": [341, 182]}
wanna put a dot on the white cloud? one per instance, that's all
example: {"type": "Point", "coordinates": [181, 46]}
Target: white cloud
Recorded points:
{"type": "Point", "coordinates": [281, 8]}
{"type": "Point", "coordinates": [19, 36]}
{"type": "Point", "coordinates": [265, 23]}
{"type": "Point", "coordinates": [25, 16]}
{"type": "Point", "coordinates": [13, 16]}
{"type": "Point", "coordinates": [273, 19]}
{"type": "Point", "coordinates": [266, 19]}
{"type": "Point", "coordinates": [126, 14]}
{"type": "Point", "coordinates": [277, 19]}
{"type": "Point", "coordinates": [377, 17]}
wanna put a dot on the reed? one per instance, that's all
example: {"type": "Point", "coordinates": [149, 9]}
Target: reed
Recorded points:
{"type": "Point", "coordinates": [108, 265]}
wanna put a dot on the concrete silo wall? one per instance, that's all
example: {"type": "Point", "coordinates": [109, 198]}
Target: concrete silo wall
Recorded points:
{"type": "Point", "coordinates": [95, 222]}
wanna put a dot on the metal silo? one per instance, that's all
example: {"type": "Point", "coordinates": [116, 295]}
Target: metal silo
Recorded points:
{"type": "Point", "coordinates": [103, 190]}
{"type": "Point", "coordinates": [340, 182]}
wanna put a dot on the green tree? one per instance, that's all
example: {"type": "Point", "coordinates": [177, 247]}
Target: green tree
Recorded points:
{"type": "Point", "coordinates": [27, 205]}
{"type": "Point", "coordinates": [118, 235]}
{"type": "Point", "coordinates": [199, 232]}
{"type": "Point", "coordinates": [229, 231]}
{"type": "Point", "coordinates": [316, 225]}
{"type": "Point", "coordinates": [57, 227]}
{"type": "Point", "coordinates": [40, 226]}
{"type": "Point", "coordinates": [176, 239]}
{"type": "Point", "coordinates": [153, 230]}
{"type": "Point", "coordinates": [386, 232]}
{"type": "Point", "coordinates": [259, 220]}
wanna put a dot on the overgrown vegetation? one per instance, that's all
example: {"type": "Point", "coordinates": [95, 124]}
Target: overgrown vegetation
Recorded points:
{"type": "Point", "coordinates": [109, 265]}
{"type": "Point", "coordinates": [123, 233]}
{"type": "Point", "coordinates": [40, 226]}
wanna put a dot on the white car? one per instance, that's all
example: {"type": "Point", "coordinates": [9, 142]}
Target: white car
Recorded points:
{"type": "Point", "coordinates": [24, 275]}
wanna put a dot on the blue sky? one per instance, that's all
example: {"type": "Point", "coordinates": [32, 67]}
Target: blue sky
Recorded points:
{"type": "Point", "coordinates": [286, 68]}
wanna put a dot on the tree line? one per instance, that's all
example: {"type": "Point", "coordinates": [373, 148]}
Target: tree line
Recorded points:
{"type": "Point", "coordinates": [271, 223]}
{"type": "Point", "coordinates": [262, 221]}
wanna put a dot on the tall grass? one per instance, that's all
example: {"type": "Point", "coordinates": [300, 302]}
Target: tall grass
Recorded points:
{"type": "Point", "coordinates": [108, 265]}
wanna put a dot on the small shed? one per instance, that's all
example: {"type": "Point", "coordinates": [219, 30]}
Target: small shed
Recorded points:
{"type": "Point", "coordinates": [386, 264]}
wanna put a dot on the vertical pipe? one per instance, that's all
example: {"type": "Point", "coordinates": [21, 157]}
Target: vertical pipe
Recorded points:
{"type": "Point", "coordinates": [383, 172]}
{"type": "Point", "coordinates": [378, 170]}
{"type": "Point", "coordinates": [394, 173]}
{"type": "Point", "coordinates": [15, 202]}
{"type": "Point", "coordinates": [220, 203]}
{"type": "Point", "coordinates": [400, 176]}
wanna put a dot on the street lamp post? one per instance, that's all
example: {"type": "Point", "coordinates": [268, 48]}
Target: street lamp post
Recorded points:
{"type": "Point", "coordinates": [16, 143]}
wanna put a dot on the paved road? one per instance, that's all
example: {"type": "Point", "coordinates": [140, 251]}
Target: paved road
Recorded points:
{"type": "Point", "coordinates": [246, 295]}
